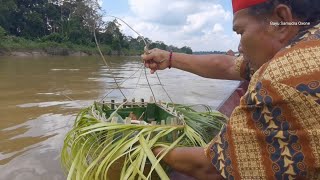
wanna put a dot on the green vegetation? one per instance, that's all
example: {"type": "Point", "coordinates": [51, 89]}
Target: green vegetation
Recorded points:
{"type": "Point", "coordinates": [63, 26]}
{"type": "Point", "coordinates": [2, 33]}
{"type": "Point", "coordinates": [103, 144]}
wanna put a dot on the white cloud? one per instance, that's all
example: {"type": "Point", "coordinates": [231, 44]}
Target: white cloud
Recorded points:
{"type": "Point", "coordinates": [206, 17]}
{"type": "Point", "coordinates": [100, 2]}
{"type": "Point", "coordinates": [217, 28]}
{"type": "Point", "coordinates": [202, 25]}
{"type": "Point", "coordinates": [166, 12]}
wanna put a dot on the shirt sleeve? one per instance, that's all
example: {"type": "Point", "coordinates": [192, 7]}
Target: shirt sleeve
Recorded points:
{"type": "Point", "coordinates": [243, 67]}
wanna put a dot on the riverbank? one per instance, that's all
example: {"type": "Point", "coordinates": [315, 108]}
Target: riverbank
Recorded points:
{"type": "Point", "coordinates": [39, 52]}
{"type": "Point", "coordinates": [57, 52]}
{"type": "Point", "coordinates": [16, 46]}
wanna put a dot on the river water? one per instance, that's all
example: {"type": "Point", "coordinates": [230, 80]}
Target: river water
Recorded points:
{"type": "Point", "coordinates": [40, 97]}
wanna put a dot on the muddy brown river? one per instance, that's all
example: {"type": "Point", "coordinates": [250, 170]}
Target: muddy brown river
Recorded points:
{"type": "Point", "coordinates": [40, 97]}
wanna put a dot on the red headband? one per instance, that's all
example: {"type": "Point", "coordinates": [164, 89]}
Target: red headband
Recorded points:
{"type": "Point", "coordinates": [242, 4]}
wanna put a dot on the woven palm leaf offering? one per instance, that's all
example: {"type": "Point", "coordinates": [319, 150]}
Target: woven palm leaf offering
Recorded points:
{"type": "Point", "coordinates": [115, 140]}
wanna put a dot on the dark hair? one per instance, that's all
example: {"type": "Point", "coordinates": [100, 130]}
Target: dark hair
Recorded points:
{"type": "Point", "coordinates": [305, 10]}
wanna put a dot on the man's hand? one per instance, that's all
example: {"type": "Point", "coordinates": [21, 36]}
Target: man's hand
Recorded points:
{"type": "Point", "coordinates": [156, 59]}
{"type": "Point", "coordinates": [190, 161]}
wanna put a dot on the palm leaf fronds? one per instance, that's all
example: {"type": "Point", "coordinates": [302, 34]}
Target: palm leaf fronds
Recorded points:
{"type": "Point", "coordinates": [102, 139]}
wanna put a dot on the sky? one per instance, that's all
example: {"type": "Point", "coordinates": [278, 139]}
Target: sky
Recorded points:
{"type": "Point", "coordinates": [203, 25]}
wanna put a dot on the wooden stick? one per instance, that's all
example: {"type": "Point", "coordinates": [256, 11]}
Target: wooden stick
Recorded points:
{"type": "Point", "coordinates": [124, 100]}
{"type": "Point", "coordinates": [114, 120]}
{"type": "Point", "coordinates": [133, 102]}
{"type": "Point", "coordinates": [112, 104]}
{"type": "Point", "coordinates": [127, 120]}
{"type": "Point", "coordinates": [151, 99]}
{"type": "Point", "coordinates": [163, 122]}
{"type": "Point", "coordinates": [174, 133]}
{"type": "Point", "coordinates": [141, 116]}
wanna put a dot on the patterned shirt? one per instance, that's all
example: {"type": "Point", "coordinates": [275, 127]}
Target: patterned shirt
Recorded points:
{"type": "Point", "coordinates": [275, 131]}
{"type": "Point", "coordinates": [243, 67]}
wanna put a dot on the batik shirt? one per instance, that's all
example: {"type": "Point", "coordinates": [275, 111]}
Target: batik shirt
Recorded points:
{"type": "Point", "coordinates": [275, 131]}
{"type": "Point", "coordinates": [243, 67]}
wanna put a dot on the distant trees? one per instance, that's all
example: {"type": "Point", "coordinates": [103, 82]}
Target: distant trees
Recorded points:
{"type": "Point", "coordinates": [7, 17]}
{"type": "Point", "coordinates": [162, 45]}
{"type": "Point", "coordinates": [69, 21]}
{"type": "Point", "coordinates": [2, 33]}
{"type": "Point", "coordinates": [209, 52]}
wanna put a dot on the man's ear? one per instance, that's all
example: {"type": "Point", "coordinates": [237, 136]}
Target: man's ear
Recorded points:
{"type": "Point", "coordinates": [282, 13]}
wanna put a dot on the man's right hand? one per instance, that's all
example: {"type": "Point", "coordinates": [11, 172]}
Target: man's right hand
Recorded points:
{"type": "Point", "coordinates": [191, 161]}
{"type": "Point", "coordinates": [156, 59]}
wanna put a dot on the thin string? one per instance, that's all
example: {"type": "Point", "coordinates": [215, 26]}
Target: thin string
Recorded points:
{"type": "Point", "coordinates": [145, 50]}
{"type": "Point", "coordinates": [164, 88]}
{"type": "Point", "coordinates": [105, 62]}
{"type": "Point", "coordinates": [109, 68]}
{"type": "Point", "coordinates": [134, 90]}
{"type": "Point", "coordinates": [68, 97]}
{"type": "Point", "coordinates": [145, 43]}
{"type": "Point", "coordinates": [121, 83]}
{"type": "Point", "coordinates": [145, 72]}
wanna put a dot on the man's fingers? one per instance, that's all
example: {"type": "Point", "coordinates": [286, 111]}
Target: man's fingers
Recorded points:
{"type": "Point", "coordinates": [146, 64]}
{"type": "Point", "coordinates": [152, 71]}
{"type": "Point", "coordinates": [150, 55]}
{"type": "Point", "coordinates": [151, 60]}
{"type": "Point", "coordinates": [153, 65]}
{"type": "Point", "coordinates": [147, 57]}
{"type": "Point", "coordinates": [143, 57]}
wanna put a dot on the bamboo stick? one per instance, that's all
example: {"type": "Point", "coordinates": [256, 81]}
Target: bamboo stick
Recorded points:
{"type": "Point", "coordinates": [163, 122]}
{"type": "Point", "coordinates": [127, 120]}
{"type": "Point", "coordinates": [133, 102]}
{"type": "Point", "coordinates": [112, 104]}
{"type": "Point", "coordinates": [174, 133]}
{"type": "Point", "coordinates": [124, 100]}
{"type": "Point", "coordinates": [114, 120]}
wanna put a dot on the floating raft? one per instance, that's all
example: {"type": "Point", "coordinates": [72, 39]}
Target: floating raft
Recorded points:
{"type": "Point", "coordinates": [113, 140]}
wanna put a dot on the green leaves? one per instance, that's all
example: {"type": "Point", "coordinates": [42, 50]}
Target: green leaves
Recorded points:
{"type": "Point", "coordinates": [3, 33]}
{"type": "Point", "coordinates": [93, 148]}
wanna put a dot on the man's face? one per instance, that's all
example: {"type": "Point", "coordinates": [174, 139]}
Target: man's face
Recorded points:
{"type": "Point", "coordinates": [258, 41]}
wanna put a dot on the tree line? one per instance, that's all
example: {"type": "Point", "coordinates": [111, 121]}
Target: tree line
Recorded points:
{"type": "Point", "coordinates": [68, 23]}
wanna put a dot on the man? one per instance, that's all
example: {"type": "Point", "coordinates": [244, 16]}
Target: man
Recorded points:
{"type": "Point", "coordinates": [274, 132]}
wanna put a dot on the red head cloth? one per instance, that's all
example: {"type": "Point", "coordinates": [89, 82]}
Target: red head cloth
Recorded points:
{"type": "Point", "coordinates": [243, 4]}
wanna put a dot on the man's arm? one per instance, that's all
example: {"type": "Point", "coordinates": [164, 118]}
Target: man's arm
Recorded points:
{"type": "Point", "coordinates": [190, 161]}
{"type": "Point", "coordinates": [209, 66]}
